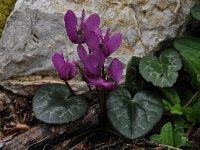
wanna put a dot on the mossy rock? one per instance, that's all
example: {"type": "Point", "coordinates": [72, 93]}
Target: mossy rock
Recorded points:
{"type": "Point", "coordinates": [6, 6]}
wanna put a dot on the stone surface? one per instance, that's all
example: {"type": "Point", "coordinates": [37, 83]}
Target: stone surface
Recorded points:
{"type": "Point", "coordinates": [35, 30]}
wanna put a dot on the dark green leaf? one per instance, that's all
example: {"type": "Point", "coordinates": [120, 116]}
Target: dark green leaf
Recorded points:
{"type": "Point", "coordinates": [180, 138]}
{"type": "Point", "coordinates": [167, 105]}
{"type": "Point", "coordinates": [156, 138]}
{"type": "Point", "coordinates": [161, 72]}
{"type": "Point", "coordinates": [134, 81]}
{"type": "Point", "coordinates": [171, 136]}
{"type": "Point", "coordinates": [189, 48]}
{"type": "Point", "coordinates": [133, 117]}
{"type": "Point", "coordinates": [171, 95]}
{"type": "Point", "coordinates": [181, 123]}
{"type": "Point", "coordinates": [53, 104]}
{"type": "Point", "coordinates": [193, 113]}
{"type": "Point", "coordinates": [195, 12]}
{"type": "Point", "coordinates": [167, 134]}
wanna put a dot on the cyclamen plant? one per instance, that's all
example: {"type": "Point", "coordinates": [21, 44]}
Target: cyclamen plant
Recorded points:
{"type": "Point", "coordinates": [131, 111]}
{"type": "Point", "coordinates": [93, 49]}
{"type": "Point", "coordinates": [99, 48]}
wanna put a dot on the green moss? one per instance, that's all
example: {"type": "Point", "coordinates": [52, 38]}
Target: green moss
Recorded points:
{"type": "Point", "coordinates": [6, 6]}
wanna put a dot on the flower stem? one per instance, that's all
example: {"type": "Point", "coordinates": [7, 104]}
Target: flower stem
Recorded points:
{"type": "Point", "coordinates": [82, 75]}
{"type": "Point", "coordinates": [102, 105]}
{"type": "Point", "coordinates": [192, 98]}
{"type": "Point", "coordinates": [70, 88]}
{"type": "Point", "coordinates": [102, 98]}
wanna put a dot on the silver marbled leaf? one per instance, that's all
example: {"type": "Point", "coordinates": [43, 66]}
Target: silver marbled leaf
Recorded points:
{"type": "Point", "coordinates": [133, 117]}
{"type": "Point", "coordinates": [55, 104]}
{"type": "Point", "coordinates": [161, 72]}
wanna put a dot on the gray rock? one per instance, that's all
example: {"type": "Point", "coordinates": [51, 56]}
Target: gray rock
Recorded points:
{"type": "Point", "coordinates": [35, 30]}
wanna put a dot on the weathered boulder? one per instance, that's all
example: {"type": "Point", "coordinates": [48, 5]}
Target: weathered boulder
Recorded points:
{"type": "Point", "coordinates": [35, 30]}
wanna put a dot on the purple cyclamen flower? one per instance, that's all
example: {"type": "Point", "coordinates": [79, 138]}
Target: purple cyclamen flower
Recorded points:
{"type": "Point", "coordinates": [66, 70]}
{"type": "Point", "coordinates": [88, 32]}
{"type": "Point", "coordinates": [111, 44]}
{"type": "Point", "coordinates": [71, 25]}
{"type": "Point", "coordinates": [93, 63]}
{"type": "Point", "coordinates": [115, 71]}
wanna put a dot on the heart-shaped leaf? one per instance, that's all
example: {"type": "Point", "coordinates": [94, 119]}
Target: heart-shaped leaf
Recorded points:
{"type": "Point", "coordinates": [55, 104]}
{"type": "Point", "coordinates": [161, 72]}
{"type": "Point", "coordinates": [133, 117]}
{"type": "Point", "coordinates": [195, 12]}
{"type": "Point", "coordinates": [189, 48]}
{"type": "Point", "coordinates": [134, 81]}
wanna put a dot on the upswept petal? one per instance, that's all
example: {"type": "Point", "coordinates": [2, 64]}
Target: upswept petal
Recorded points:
{"type": "Point", "coordinates": [99, 82]}
{"type": "Point", "coordinates": [82, 53]}
{"type": "Point", "coordinates": [91, 64]}
{"type": "Point", "coordinates": [114, 43]}
{"type": "Point", "coordinates": [115, 70]}
{"type": "Point", "coordinates": [99, 32]}
{"type": "Point", "coordinates": [106, 37]}
{"type": "Point", "coordinates": [73, 70]}
{"type": "Point", "coordinates": [101, 59]}
{"type": "Point", "coordinates": [71, 26]}
{"type": "Point", "coordinates": [91, 38]}
{"type": "Point", "coordinates": [93, 22]}
{"type": "Point", "coordinates": [66, 70]}
{"type": "Point", "coordinates": [82, 16]}
{"type": "Point", "coordinates": [60, 65]}
{"type": "Point", "coordinates": [94, 63]}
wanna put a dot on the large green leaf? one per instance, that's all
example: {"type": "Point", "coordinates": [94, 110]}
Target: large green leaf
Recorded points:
{"type": "Point", "coordinates": [134, 81]}
{"type": "Point", "coordinates": [133, 117]}
{"type": "Point", "coordinates": [195, 12]}
{"type": "Point", "coordinates": [171, 136]}
{"type": "Point", "coordinates": [54, 103]}
{"type": "Point", "coordinates": [161, 72]}
{"type": "Point", "coordinates": [189, 48]}
{"type": "Point", "coordinates": [166, 134]}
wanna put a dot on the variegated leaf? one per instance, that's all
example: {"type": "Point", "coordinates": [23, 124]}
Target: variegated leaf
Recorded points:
{"type": "Point", "coordinates": [55, 104]}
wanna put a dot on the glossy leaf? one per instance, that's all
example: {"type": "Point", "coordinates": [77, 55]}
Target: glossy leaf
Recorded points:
{"type": "Point", "coordinates": [161, 72]}
{"type": "Point", "coordinates": [176, 109]}
{"type": "Point", "coordinates": [193, 113]}
{"type": "Point", "coordinates": [55, 104]}
{"type": "Point", "coordinates": [189, 48]}
{"type": "Point", "coordinates": [134, 81]}
{"type": "Point", "coordinates": [171, 95]}
{"type": "Point", "coordinates": [171, 136]}
{"type": "Point", "coordinates": [195, 12]}
{"type": "Point", "coordinates": [133, 117]}
{"type": "Point", "coordinates": [166, 134]}
{"type": "Point", "coordinates": [167, 105]}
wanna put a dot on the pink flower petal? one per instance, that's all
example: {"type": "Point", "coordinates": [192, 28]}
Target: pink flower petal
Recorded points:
{"type": "Point", "coordinates": [82, 16]}
{"type": "Point", "coordinates": [71, 26]}
{"type": "Point", "coordinates": [114, 43]}
{"type": "Point", "coordinates": [60, 65]}
{"type": "Point", "coordinates": [82, 53]}
{"type": "Point", "coordinates": [99, 82]}
{"type": "Point", "coordinates": [115, 70]}
{"type": "Point", "coordinates": [73, 70]}
{"type": "Point", "coordinates": [93, 22]}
